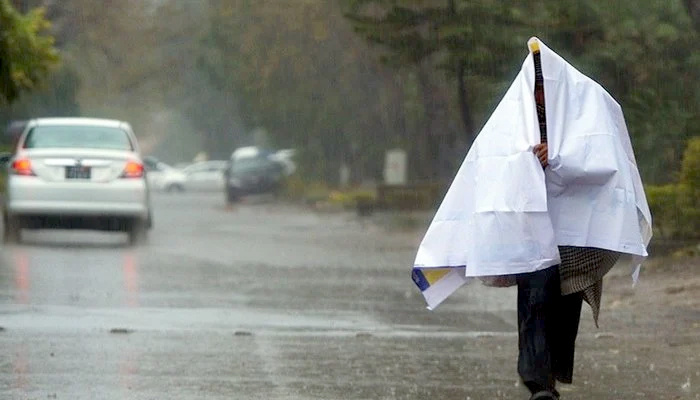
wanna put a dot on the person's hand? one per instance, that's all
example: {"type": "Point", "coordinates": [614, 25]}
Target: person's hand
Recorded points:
{"type": "Point", "coordinates": [541, 152]}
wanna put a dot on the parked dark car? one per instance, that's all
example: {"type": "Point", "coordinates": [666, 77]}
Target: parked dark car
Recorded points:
{"type": "Point", "coordinates": [261, 174]}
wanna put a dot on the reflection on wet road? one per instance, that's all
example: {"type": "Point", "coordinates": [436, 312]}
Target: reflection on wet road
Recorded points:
{"type": "Point", "coordinates": [261, 302]}
{"type": "Point", "coordinates": [51, 275]}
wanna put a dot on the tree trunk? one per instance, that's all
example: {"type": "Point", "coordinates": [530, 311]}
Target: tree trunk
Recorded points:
{"type": "Point", "coordinates": [693, 7]}
{"type": "Point", "coordinates": [464, 106]}
{"type": "Point", "coordinates": [429, 147]}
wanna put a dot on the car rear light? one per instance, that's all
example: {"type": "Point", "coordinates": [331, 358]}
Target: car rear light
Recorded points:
{"type": "Point", "coordinates": [23, 167]}
{"type": "Point", "coordinates": [133, 169]}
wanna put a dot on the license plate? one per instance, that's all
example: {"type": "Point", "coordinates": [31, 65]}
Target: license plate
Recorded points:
{"type": "Point", "coordinates": [77, 172]}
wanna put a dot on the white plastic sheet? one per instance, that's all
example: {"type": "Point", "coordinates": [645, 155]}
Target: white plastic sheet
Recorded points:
{"type": "Point", "coordinates": [504, 215]}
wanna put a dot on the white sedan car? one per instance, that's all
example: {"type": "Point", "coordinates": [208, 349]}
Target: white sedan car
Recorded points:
{"type": "Point", "coordinates": [76, 173]}
{"type": "Point", "coordinates": [163, 177]}
{"type": "Point", "coordinates": [205, 176]}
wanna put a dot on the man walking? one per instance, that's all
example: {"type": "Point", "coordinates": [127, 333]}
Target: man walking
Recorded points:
{"type": "Point", "coordinates": [549, 198]}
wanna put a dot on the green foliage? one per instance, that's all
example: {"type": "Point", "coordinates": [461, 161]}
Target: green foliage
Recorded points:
{"type": "Point", "coordinates": [650, 62]}
{"type": "Point", "coordinates": [299, 190]}
{"type": "Point", "coordinates": [450, 30]}
{"type": "Point", "coordinates": [27, 55]}
{"type": "Point", "coordinates": [352, 198]}
{"type": "Point", "coordinates": [322, 197]}
{"type": "Point", "coordinates": [419, 196]}
{"type": "Point", "coordinates": [693, 7]}
{"type": "Point", "coordinates": [644, 52]}
{"type": "Point", "coordinates": [666, 204]}
{"type": "Point", "coordinates": [136, 60]}
{"type": "Point", "coordinates": [309, 73]}
{"type": "Point", "coordinates": [57, 98]}
{"type": "Point", "coordinates": [299, 72]}
{"type": "Point", "coordinates": [690, 171]}
{"type": "Point", "coordinates": [676, 207]}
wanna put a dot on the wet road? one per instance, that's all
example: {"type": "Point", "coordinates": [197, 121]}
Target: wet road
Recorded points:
{"type": "Point", "coordinates": [268, 302]}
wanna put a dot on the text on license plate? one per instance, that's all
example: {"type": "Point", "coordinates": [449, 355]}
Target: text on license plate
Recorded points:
{"type": "Point", "coordinates": [77, 172]}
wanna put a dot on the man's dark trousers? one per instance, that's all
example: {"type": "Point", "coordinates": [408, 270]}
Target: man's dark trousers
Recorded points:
{"type": "Point", "coordinates": [547, 327]}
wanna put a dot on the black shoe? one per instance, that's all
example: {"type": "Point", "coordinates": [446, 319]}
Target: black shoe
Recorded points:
{"type": "Point", "coordinates": [544, 395]}
{"type": "Point", "coordinates": [537, 388]}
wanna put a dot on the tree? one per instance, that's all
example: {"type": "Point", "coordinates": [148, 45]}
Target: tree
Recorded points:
{"type": "Point", "coordinates": [643, 52]}
{"type": "Point", "coordinates": [693, 7]}
{"type": "Point", "coordinates": [473, 44]}
{"type": "Point", "coordinates": [27, 54]}
{"type": "Point", "coordinates": [57, 98]}
{"type": "Point", "coordinates": [136, 61]}
{"type": "Point", "coordinates": [299, 72]}
{"type": "Point", "coordinates": [461, 38]}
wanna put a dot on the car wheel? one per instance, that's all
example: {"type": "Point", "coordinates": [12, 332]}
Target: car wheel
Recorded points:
{"type": "Point", "coordinates": [12, 230]}
{"type": "Point", "coordinates": [231, 196]}
{"type": "Point", "coordinates": [175, 187]}
{"type": "Point", "coordinates": [137, 231]}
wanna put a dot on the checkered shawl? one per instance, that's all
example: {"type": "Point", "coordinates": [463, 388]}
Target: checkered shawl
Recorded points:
{"type": "Point", "coordinates": [582, 270]}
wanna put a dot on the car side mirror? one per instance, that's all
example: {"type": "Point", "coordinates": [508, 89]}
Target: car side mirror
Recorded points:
{"type": "Point", "coordinates": [5, 158]}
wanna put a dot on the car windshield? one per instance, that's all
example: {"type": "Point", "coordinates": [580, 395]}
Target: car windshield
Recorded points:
{"type": "Point", "coordinates": [249, 164]}
{"type": "Point", "coordinates": [87, 137]}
